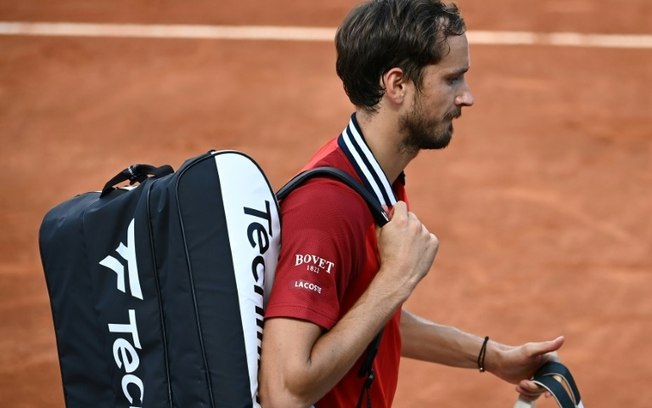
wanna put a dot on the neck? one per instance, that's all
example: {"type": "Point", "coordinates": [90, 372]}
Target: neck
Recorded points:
{"type": "Point", "coordinates": [382, 134]}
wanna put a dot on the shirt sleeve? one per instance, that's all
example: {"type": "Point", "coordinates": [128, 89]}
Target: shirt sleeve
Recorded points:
{"type": "Point", "coordinates": [323, 229]}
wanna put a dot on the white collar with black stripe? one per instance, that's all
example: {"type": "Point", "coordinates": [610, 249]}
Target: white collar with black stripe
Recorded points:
{"type": "Point", "coordinates": [352, 142]}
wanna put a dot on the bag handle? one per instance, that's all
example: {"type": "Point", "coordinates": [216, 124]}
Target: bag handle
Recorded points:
{"type": "Point", "coordinates": [556, 379]}
{"type": "Point", "coordinates": [136, 173]}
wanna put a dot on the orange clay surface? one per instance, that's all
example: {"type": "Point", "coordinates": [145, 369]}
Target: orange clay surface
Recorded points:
{"type": "Point", "coordinates": [542, 202]}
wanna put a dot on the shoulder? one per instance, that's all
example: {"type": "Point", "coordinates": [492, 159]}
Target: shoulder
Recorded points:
{"type": "Point", "coordinates": [327, 203]}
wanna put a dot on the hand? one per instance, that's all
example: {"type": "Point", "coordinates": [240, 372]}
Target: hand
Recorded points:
{"type": "Point", "coordinates": [406, 248]}
{"type": "Point", "coordinates": [518, 364]}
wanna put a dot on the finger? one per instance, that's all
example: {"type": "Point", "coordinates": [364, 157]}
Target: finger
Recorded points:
{"type": "Point", "coordinates": [433, 243]}
{"type": "Point", "coordinates": [530, 386]}
{"type": "Point", "coordinates": [528, 393]}
{"type": "Point", "coordinates": [399, 209]}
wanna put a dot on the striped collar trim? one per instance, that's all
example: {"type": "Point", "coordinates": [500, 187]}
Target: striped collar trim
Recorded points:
{"type": "Point", "coordinates": [356, 149]}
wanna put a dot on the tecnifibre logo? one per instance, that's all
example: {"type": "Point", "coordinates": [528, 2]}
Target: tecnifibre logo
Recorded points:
{"type": "Point", "coordinates": [259, 234]}
{"type": "Point", "coordinates": [125, 354]}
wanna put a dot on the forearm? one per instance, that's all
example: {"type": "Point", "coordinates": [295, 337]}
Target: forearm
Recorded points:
{"type": "Point", "coordinates": [337, 350]}
{"type": "Point", "coordinates": [428, 341]}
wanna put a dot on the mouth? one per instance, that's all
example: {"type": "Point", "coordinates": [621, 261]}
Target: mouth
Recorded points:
{"type": "Point", "coordinates": [455, 114]}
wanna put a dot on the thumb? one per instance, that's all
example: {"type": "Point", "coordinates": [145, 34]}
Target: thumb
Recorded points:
{"type": "Point", "coordinates": [546, 347]}
{"type": "Point", "coordinates": [400, 208]}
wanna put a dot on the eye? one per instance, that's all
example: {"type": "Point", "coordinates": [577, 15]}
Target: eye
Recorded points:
{"type": "Point", "coordinates": [454, 79]}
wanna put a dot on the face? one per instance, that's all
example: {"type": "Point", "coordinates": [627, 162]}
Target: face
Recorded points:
{"type": "Point", "coordinates": [428, 122]}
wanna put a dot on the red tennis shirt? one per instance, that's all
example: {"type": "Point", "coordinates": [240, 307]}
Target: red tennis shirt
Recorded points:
{"type": "Point", "coordinates": [329, 257]}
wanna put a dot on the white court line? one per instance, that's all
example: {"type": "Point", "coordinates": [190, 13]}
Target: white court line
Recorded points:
{"type": "Point", "coordinates": [560, 39]}
{"type": "Point", "coordinates": [282, 33]}
{"type": "Point", "coordinates": [169, 31]}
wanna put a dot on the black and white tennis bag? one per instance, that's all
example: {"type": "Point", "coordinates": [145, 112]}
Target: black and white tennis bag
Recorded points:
{"type": "Point", "coordinates": [157, 290]}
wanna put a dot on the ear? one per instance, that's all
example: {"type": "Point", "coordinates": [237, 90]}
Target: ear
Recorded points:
{"type": "Point", "coordinates": [396, 85]}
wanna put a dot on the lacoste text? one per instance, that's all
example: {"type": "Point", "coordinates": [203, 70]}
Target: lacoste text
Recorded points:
{"type": "Point", "coordinates": [307, 285]}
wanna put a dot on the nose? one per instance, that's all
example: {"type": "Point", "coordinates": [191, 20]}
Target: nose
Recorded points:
{"type": "Point", "coordinates": [465, 98]}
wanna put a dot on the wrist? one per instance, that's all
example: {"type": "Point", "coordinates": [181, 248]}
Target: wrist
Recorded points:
{"type": "Point", "coordinates": [482, 355]}
{"type": "Point", "coordinates": [393, 290]}
{"type": "Point", "coordinates": [493, 356]}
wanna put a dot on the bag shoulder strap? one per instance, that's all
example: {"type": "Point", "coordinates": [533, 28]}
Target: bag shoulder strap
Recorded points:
{"type": "Point", "coordinates": [379, 214]}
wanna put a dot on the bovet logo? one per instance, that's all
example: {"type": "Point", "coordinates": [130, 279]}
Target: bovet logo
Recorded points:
{"type": "Point", "coordinates": [313, 263]}
{"type": "Point", "coordinates": [125, 347]}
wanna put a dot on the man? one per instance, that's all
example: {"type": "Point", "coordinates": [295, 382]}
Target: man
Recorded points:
{"type": "Point", "coordinates": [339, 280]}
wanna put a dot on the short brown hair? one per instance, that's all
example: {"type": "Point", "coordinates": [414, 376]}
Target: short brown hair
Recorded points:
{"type": "Point", "coordinates": [379, 35]}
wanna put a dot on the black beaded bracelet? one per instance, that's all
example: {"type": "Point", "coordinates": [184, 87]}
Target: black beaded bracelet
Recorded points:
{"type": "Point", "coordinates": [483, 351]}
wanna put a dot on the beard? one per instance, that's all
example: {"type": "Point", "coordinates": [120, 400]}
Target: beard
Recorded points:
{"type": "Point", "coordinates": [423, 132]}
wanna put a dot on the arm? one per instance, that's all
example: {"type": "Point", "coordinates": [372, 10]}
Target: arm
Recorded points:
{"type": "Point", "coordinates": [428, 341]}
{"type": "Point", "coordinates": [300, 363]}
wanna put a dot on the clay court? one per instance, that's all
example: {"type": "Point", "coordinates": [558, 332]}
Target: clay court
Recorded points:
{"type": "Point", "coordinates": [542, 202]}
